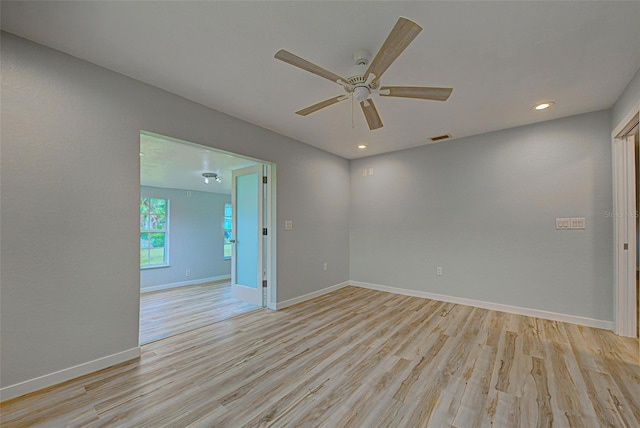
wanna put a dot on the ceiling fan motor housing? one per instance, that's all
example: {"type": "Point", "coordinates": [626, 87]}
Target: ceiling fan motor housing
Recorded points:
{"type": "Point", "coordinates": [356, 74]}
{"type": "Point", "coordinates": [356, 79]}
{"type": "Point", "coordinates": [361, 90]}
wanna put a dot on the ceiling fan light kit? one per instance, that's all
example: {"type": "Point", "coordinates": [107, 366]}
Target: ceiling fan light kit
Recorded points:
{"type": "Point", "coordinates": [364, 75]}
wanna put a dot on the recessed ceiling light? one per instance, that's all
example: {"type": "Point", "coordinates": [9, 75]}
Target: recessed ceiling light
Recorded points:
{"type": "Point", "coordinates": [543, 106]}
{"type": "Point", "coordinates": [362, 146]}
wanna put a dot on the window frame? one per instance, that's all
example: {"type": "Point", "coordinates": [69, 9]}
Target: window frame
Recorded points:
{"type": "Point", "coordinates": [225, 241]}
{"type": "Point", "coordinates": [149, 230]}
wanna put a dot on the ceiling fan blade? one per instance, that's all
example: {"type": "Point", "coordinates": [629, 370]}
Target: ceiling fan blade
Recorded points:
{"type": "Point", "coordinates": [296, 61]}
{"type": "Point", "coordinates": [422, 92]}
{"type": "Point", "coordinates": [371, 114]}
{"type": "Point", "coordinates": [321, 105]}
{"type": "Point", "coordinates": [397, 41]}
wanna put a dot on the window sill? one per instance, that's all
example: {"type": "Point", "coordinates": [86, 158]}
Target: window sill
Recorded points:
{"type": "Point", "coordinates": [154, 267]}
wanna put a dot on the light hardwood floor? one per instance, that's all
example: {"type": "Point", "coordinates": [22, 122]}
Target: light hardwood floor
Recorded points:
{"type": "Point", "coordinates": [359, 358]}
{"type": "Point", "coordinates": [169, 312]}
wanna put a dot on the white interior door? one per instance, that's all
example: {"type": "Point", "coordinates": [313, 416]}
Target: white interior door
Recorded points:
{"type": "Point", "coordinates": [247, 218]}
{"type": "Point", "coordinates": [625, 213]}
{"type": "Point", "coordinates": [625, 236]}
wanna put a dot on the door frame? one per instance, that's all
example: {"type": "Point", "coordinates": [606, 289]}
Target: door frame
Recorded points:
{"type": "Point", "coordinates": [270, 253]}
{"type": "Point", "coordinates": [624, 224]}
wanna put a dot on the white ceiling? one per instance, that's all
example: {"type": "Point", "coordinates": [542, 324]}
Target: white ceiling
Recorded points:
{"type": "Point", "coordinates": [165, 162]}
{"type": "Point", "coordinates": [500, 58]}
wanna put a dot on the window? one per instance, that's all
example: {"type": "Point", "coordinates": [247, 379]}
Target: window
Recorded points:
{"type": "Point", "coordinates": [227, 232]}
{"type": "Point", "coordinates": [154, 219]}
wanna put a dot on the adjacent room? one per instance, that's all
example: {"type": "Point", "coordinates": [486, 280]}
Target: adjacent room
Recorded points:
{"type": "Point", "coordinates": [349, 214]}
{"type": "Point", "coordinates": [186, 234]}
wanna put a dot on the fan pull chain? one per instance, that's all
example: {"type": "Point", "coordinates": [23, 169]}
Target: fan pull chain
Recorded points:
{"type": "Point", "coordinates": [352, 124]}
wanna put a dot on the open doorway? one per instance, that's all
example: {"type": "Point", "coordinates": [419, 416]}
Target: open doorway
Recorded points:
{"type": "Point", "coordinates": [187, 231]}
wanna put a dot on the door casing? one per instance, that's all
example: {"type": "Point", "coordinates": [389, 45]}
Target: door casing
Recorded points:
{"type": "Point", "coordinates": [624, 219]}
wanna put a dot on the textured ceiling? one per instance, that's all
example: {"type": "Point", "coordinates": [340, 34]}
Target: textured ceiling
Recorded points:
{"type": "Point", "coordinates": [165, 162]}
{"type": "Point", "coordinates": [500, 58]}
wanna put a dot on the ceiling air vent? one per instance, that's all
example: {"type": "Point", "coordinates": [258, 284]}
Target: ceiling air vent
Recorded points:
{"type": "Point", "coordinates": [440, 137]}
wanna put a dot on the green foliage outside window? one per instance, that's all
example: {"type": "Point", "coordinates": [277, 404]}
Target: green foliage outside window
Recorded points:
{"type": "Point", "coordinates": [226, 230]}
{"type": "Point", "coordinates": [153, 231]}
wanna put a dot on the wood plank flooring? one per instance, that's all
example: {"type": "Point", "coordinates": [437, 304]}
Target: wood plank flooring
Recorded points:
{"type": "Point", "coordinates": [169, 312]}
{"type": "Point", "coordinates": [358, 358]}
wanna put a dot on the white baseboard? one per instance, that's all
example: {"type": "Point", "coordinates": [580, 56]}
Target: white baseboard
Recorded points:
{"type": "Point", "coordinates": [305, 297]}
{"type": "Point", "coordinates": [184, 283]}
{"type": "Point", "coordinates": [553, 316]}
{"type": "Point", "coordinates": [64, 375]}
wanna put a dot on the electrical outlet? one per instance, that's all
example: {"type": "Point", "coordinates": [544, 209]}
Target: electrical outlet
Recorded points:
{"type": "Point", "coordinates": [439, 271]}
{"type": "Point", "coordinates": [325, 266]}
{"type": "Point", "coordinates": [187, 272]}
{"type": "Point", "coordinates": [571, 223]}
{"type": "Point", "coordinates": [578, 223]}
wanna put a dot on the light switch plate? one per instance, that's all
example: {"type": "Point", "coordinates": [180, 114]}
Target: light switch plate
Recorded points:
{"type": "Point", "coordinates": [288, 225]}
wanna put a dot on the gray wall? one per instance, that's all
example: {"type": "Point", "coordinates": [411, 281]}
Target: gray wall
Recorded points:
{"type": "Point", "coordinates": [195, 237]}
{"type": "Point", "coordinates": [484, 209]}
{"type": "Point", "coordinates": [69, 205]}
{"type": "Point", "coordinates": [629, 99]}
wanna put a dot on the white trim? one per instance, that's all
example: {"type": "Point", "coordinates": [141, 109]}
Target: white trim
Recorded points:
{"type": "Point", "coordinates": [624, 232]}
{"type": "Point", "coordinates": [64, 375]}
{"type": "Point", "coordinates": [308, 296]}
{"type": "Point", "coordinates": [271, 221]}
{"type": "Point", "coordinates": [554, 316]}
{"type": "Point", "coordinates": [623, 159]}
{"type": "Point", "coordinates": [184, 283]}
{"type": "Point", "coordinates": [620, 125]}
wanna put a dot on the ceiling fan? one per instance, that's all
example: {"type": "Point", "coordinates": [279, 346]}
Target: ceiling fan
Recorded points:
{"type": "Point", "coordinates": [364, 76]}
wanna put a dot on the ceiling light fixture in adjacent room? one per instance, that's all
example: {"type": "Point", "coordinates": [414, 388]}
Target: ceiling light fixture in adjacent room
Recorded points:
{"type": "Point", "coordinates": [543, 106]}
{"type": "Point", "coordinates": [362, 146]}
{"type": "Point", "coordinates": [211, 175]}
